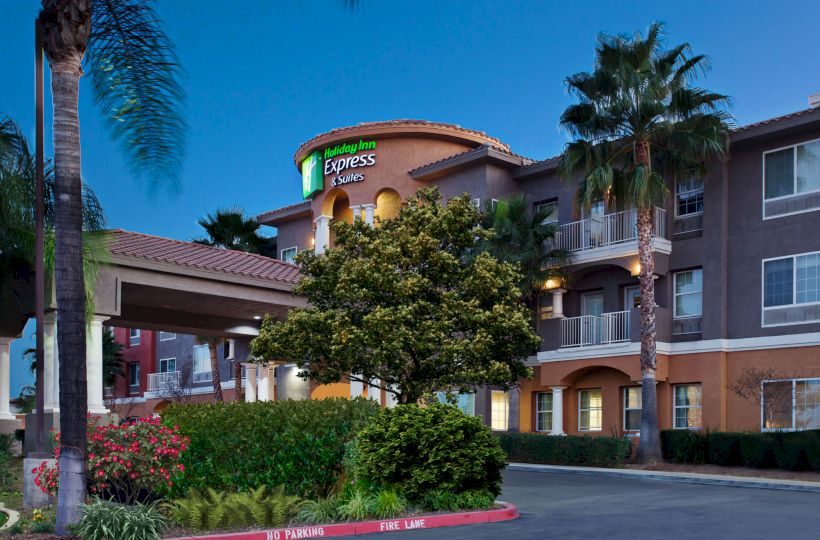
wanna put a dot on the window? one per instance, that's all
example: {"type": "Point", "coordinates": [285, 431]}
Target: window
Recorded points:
{"type": "Point", "coordinates": [791, 405]}
{"type": "Point", "coordinates": [202, 363]}
{"type": "Point", "coordinates": [499, 409]}
{"type": "Point", "coordinates": [133, 337]}
{"type": "Point", "coordinates": [465, 402]}
{"type": "Point", "coordinates": [543, 411]}
{"type": "Point", "coordinates": [549, 209]}
{"type": "Point", "coordinates": [545, 306]}
{"type": "Point", "coordinates": [632, 409]}
{"type": "Point", "coordinates": [288, 255]}
{"type": "Point", "coordinates": [477, 203]}
{"type": "Point", "coordinates": [133, 378]}
{"type": "Point", "coordinates": [167, 336]}
{"type": "Point", "coordinates": [167, 365]}
{"type": "Point", "coordinates": [688, 197]}
{"type": "Point", "coordinates": [590, 410]}
{"type": "Point", "coordinates": [493, 204]}
{"type": "Point", "coordinates": [688, 293]}
{"type": "Point", "coordinates": [792, 171]}
{"type": "Point", "coordinates": [227, 349]}
{"type": "Point", "coordinates": [688, 406]}
{"type": "Point", "coordinates": [632, 297]}
{"type": "Point", "coordinates": [791, 280]}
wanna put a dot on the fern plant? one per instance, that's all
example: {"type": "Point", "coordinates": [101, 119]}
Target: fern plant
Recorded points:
{"type": "Point", "coordinates": [104, 520]}
{"type": "Point", "coordinates": [220, 510]}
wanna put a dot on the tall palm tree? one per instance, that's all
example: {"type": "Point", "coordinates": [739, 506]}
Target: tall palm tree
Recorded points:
{"type": "Point", "coordinates": [231, 229]}
{"type": "Point", "coordinates": [525, 238]}
{"type": "Point", "coordinates": [213, 343]}
{"type": "Point", "coordinates": [640, 118]}
{"type": "Point", "coordinates": [134, 78]}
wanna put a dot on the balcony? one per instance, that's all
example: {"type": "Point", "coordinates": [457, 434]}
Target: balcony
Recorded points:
{"type": "Point", "coordinates": [609, 236]}
{"type": "Point", "coordinates": [588, 330]}
{"type": "Point", "coordinates": [163, 382]}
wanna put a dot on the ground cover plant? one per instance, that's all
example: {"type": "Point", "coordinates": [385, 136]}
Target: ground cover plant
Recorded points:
{"type": "Point", "coordinates": [220, 510]}
{"type": "Point", "coordinates": [565, 450]}
{"type": "Point", "coordinates": [106, 520]}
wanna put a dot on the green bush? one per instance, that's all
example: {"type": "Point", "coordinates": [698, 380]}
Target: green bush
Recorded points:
{"type": "Point", "coordinates": [219, 510]}
{"type": "Point", "coordinates": [798, 450]}
{"type": "Point", "coordinates": [103, 520]}
{"type": "Point", "coordinates": [6, 441]}
{"type": "Point", "coordinates": [565, 450]}
{"type": "Point", "coordinates": [439, 500]}
{"type": "Point", "coordinates": [324, 510]}
{"type": "Point", "coordinates": [240, 446]}
{"type": "Point", "coordinates": [360, 505]}
{"type": "Point", "coordinates": [417, 449]}
{"type": "Point", "coordinates": [388, 503]}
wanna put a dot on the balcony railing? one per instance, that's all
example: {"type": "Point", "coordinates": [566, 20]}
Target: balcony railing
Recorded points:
{"type": "Point", "coordinates": [589, 330]}
{"type": "Point", "coordinates": [163, 382]}
{"type": "Point", "coordinates": [607, 230]}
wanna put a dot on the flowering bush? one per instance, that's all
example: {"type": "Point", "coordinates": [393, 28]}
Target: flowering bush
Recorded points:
{"type": "Point", "coordinates": [127, 462]}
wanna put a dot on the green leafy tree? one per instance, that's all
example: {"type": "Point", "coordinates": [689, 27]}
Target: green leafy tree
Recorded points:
{"type": "Point", "coordinates": [641, 117]}
{"type": "Point", "coordinates": [526, 239]}
{"type": "Point", "coordinates": [406, 303]}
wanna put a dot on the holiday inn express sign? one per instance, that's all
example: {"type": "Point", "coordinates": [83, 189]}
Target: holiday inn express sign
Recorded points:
{"type": "Point", "coordinates": [333, 161]}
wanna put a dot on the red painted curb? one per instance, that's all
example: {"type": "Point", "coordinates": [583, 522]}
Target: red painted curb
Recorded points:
{"type": "Point", "coordinates": [367, 527]}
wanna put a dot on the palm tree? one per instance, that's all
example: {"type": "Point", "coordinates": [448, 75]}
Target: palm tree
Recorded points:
{"type": "Point", "coordinates": [526, 239]}
{"type": "Point", "coordinates": [134, 76]}
{"type": "Point", "coordinates": [231, 229]}
{"type": "Point", "coordinates": [641, 117]}
{"type": "Point", "coordinates": [213, 343]}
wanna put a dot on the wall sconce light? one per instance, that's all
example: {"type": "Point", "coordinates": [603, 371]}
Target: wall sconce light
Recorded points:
{"type": "Point", "coordinates": [636, 269]}
{"type": "Point", "coordinates": [552, 283]}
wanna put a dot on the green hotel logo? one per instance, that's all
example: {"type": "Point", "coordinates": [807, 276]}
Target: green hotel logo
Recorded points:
{"type": "Point", "coordinates": [349, 148]}
{"type": "Point", "coordinates": [312, 177]}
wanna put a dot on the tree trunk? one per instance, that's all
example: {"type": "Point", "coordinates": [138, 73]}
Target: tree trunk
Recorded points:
{"type": "Point", "coordinates": [239, 393]}
{"type": "Point", "coordinates": [68, 268]}
{"type": "Point", "coordinates": [649, 448]}
{"type": "Point", "coordinates": [212, 344]}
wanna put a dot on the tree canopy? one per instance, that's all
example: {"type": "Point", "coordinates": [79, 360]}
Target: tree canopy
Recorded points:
{"type": "Point", "coordinates": [408, 303]}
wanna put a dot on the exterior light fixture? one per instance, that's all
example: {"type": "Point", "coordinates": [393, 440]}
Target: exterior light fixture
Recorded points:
{"type": "Point", "coordinates": [552, 283]}
{"type": "Point", "coordinates": [636, 269]}
{"type": "Point", "coordinates": [257, 317]}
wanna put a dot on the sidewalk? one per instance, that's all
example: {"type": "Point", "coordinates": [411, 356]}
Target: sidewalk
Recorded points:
{"type": "Point", "coordinates": [690, 478]}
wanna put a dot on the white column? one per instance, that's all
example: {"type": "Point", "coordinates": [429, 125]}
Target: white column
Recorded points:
{"type": "Point", "coordinates": [368, 213]}
{"type": "Point", "coordinates": [375, 392]}
{"type": "Point", "coordinates": [558, 410]}
{"type": "Point", "coordinates": [250, 383]}
{"type": "Point", "coordinates": [558, 302]}
{"type": "Point", "coordinates": [356, 387]}
{"type": "Point", "coordinates": [271, 382]}
{"type": "Point", "coordinates": [264, 384]}
{"type": "Point", "coordinates": [357, 211]}
{"type": "Point", "coordinates": [5, 378]}
{"type": "Point", "coordinates": [51, 367]}
{"type": "Point", "coordinates": [94, 365]}
{"type": "Point", "coordinates": [322, 235]}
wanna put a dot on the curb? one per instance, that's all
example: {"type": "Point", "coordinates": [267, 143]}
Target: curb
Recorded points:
{"type": "Point", "coordinates": [685, 478]}
{"type": "Point", "coordinates": [368, 527]}
{"type": "Point", "coordinates": [14, 516]}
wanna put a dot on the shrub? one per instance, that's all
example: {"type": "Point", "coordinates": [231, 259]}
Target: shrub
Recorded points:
{"type": "Point", "coordinates": [6, 441]}
{"type": "Point", "coordinates": [418, 449]}
{"type": "Point", "coordinates": [475, 500]}
{"type": "Point", "coordinates": [219, 510]}
{"type": "Point", "coordinates": [322, 510]}
{"type": "Point", "coordinates": [388, 504]}
{"type": "Point", "coordinates": [360, 505]}
{"type": "Point", "coordinates": [565, 450]}
{"type": "Point", "coordinates": [440, 500]}
{"type": "Point", "coordinates": [129, 462]}
{"type": "Point", "coordinates": [784, 450]}
{"type": "Point", "coordinates": [297, 444]}
{"type": "Point", "coordinates": [104, 520]}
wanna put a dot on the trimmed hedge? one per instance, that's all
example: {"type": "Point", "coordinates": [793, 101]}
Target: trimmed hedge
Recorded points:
{"type": "Point", "coordinates": [565, 450]}
{"type": "Point", "coordinates": [796, 451]}
{"type": "Point", "coordinates": [239, 446]}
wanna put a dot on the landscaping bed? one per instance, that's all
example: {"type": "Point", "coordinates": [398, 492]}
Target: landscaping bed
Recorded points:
{"type": "Point", "coordinates": [772, 474]}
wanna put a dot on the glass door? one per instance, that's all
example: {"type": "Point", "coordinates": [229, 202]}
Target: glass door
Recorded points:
{"type": "Point", "coordinates": [592, 306]}
{"type": "Point", "coordinates": [594, 225]}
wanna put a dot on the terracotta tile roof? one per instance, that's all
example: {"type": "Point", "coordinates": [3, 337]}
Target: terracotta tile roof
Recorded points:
{"type": "Point", "coordinates": [777, 119]}
{"type": "Point", "coordinates": [401, 123]}
{"type": "Point", "coordinates": [478, 150]}
{"type": "Point", "coordinates": [192, 255]}
{"type": "Point", "coordinates": [283, 211]}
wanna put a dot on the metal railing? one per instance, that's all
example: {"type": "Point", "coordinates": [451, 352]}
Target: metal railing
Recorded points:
{"type": "Point", "coordinates": [588, 330]}
{"type": "Point", "coordinates": [158, 382]}
{"type": "Point", "coordinates": [606, 230]}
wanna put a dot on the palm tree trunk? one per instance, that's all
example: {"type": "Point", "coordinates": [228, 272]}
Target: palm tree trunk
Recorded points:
{"type": "Point", "coordinates": [238, 392]}
{"type": "Point", "coordinates": [68, 267]}
{"type": "Point", "coordinates": [649, 449]}
{"type": "Point", "coordinates": [212, 344]}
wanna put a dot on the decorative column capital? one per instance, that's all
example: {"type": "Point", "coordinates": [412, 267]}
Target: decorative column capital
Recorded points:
{"type": "Point", "coordinates": [558, 388]}
{"type": "Point", "coordinates": [6, 340]}
{"type": "Point", "coordinates": [557, 290]}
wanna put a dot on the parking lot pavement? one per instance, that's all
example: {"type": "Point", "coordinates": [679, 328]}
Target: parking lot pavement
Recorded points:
{"type": "Point", "coordinates": [562, 505]}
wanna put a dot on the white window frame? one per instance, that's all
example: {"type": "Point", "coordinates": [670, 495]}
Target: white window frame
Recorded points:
{"type": "Point", "coordinates": [794, 184]}
{"type": "Point", "coordinates": [675, 295]}
{"type": "Point", "coordinates": [163, 336]}
{"type": "Point", "coordinates": [794, 303]}
{"type": "Point", "coordinates": [548, 429]}
{"type": "Point", "coordinates": [231, 343]}
{"type": "Point", "coordinates": [134, 388]}
{"type": "Point", "coordinates": [134, 339]}
{"type": "Point", "coordinates": [675, 406]}
{"type": "Point", "coordinates": [601, 408]}
{"type": "Point", "coordinates": [161, 360]}
{"type": "Point", "coordinates": [476, 202]}
{"type": "Point", "coordinates": [677, 194]}
{"type": "Point", "coordinates": [794, 382]}
{"type": "Point", "coordinates": [506, 417]}
{"type": "Point", "coordinates": [548, 202]}
{"type": "Point", "coordinates": [282, 254]}
{"type": "Point", "coordinates": [207, 371]}
{"type": "Point", "coordinates": [631, 432]}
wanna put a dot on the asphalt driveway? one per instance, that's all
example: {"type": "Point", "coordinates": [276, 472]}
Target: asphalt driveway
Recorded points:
{"type": "Point", "coordinates": [561, 505]}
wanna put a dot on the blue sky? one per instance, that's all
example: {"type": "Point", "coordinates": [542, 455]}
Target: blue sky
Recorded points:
{"type": "Point", "coordinates": [262, 77]}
